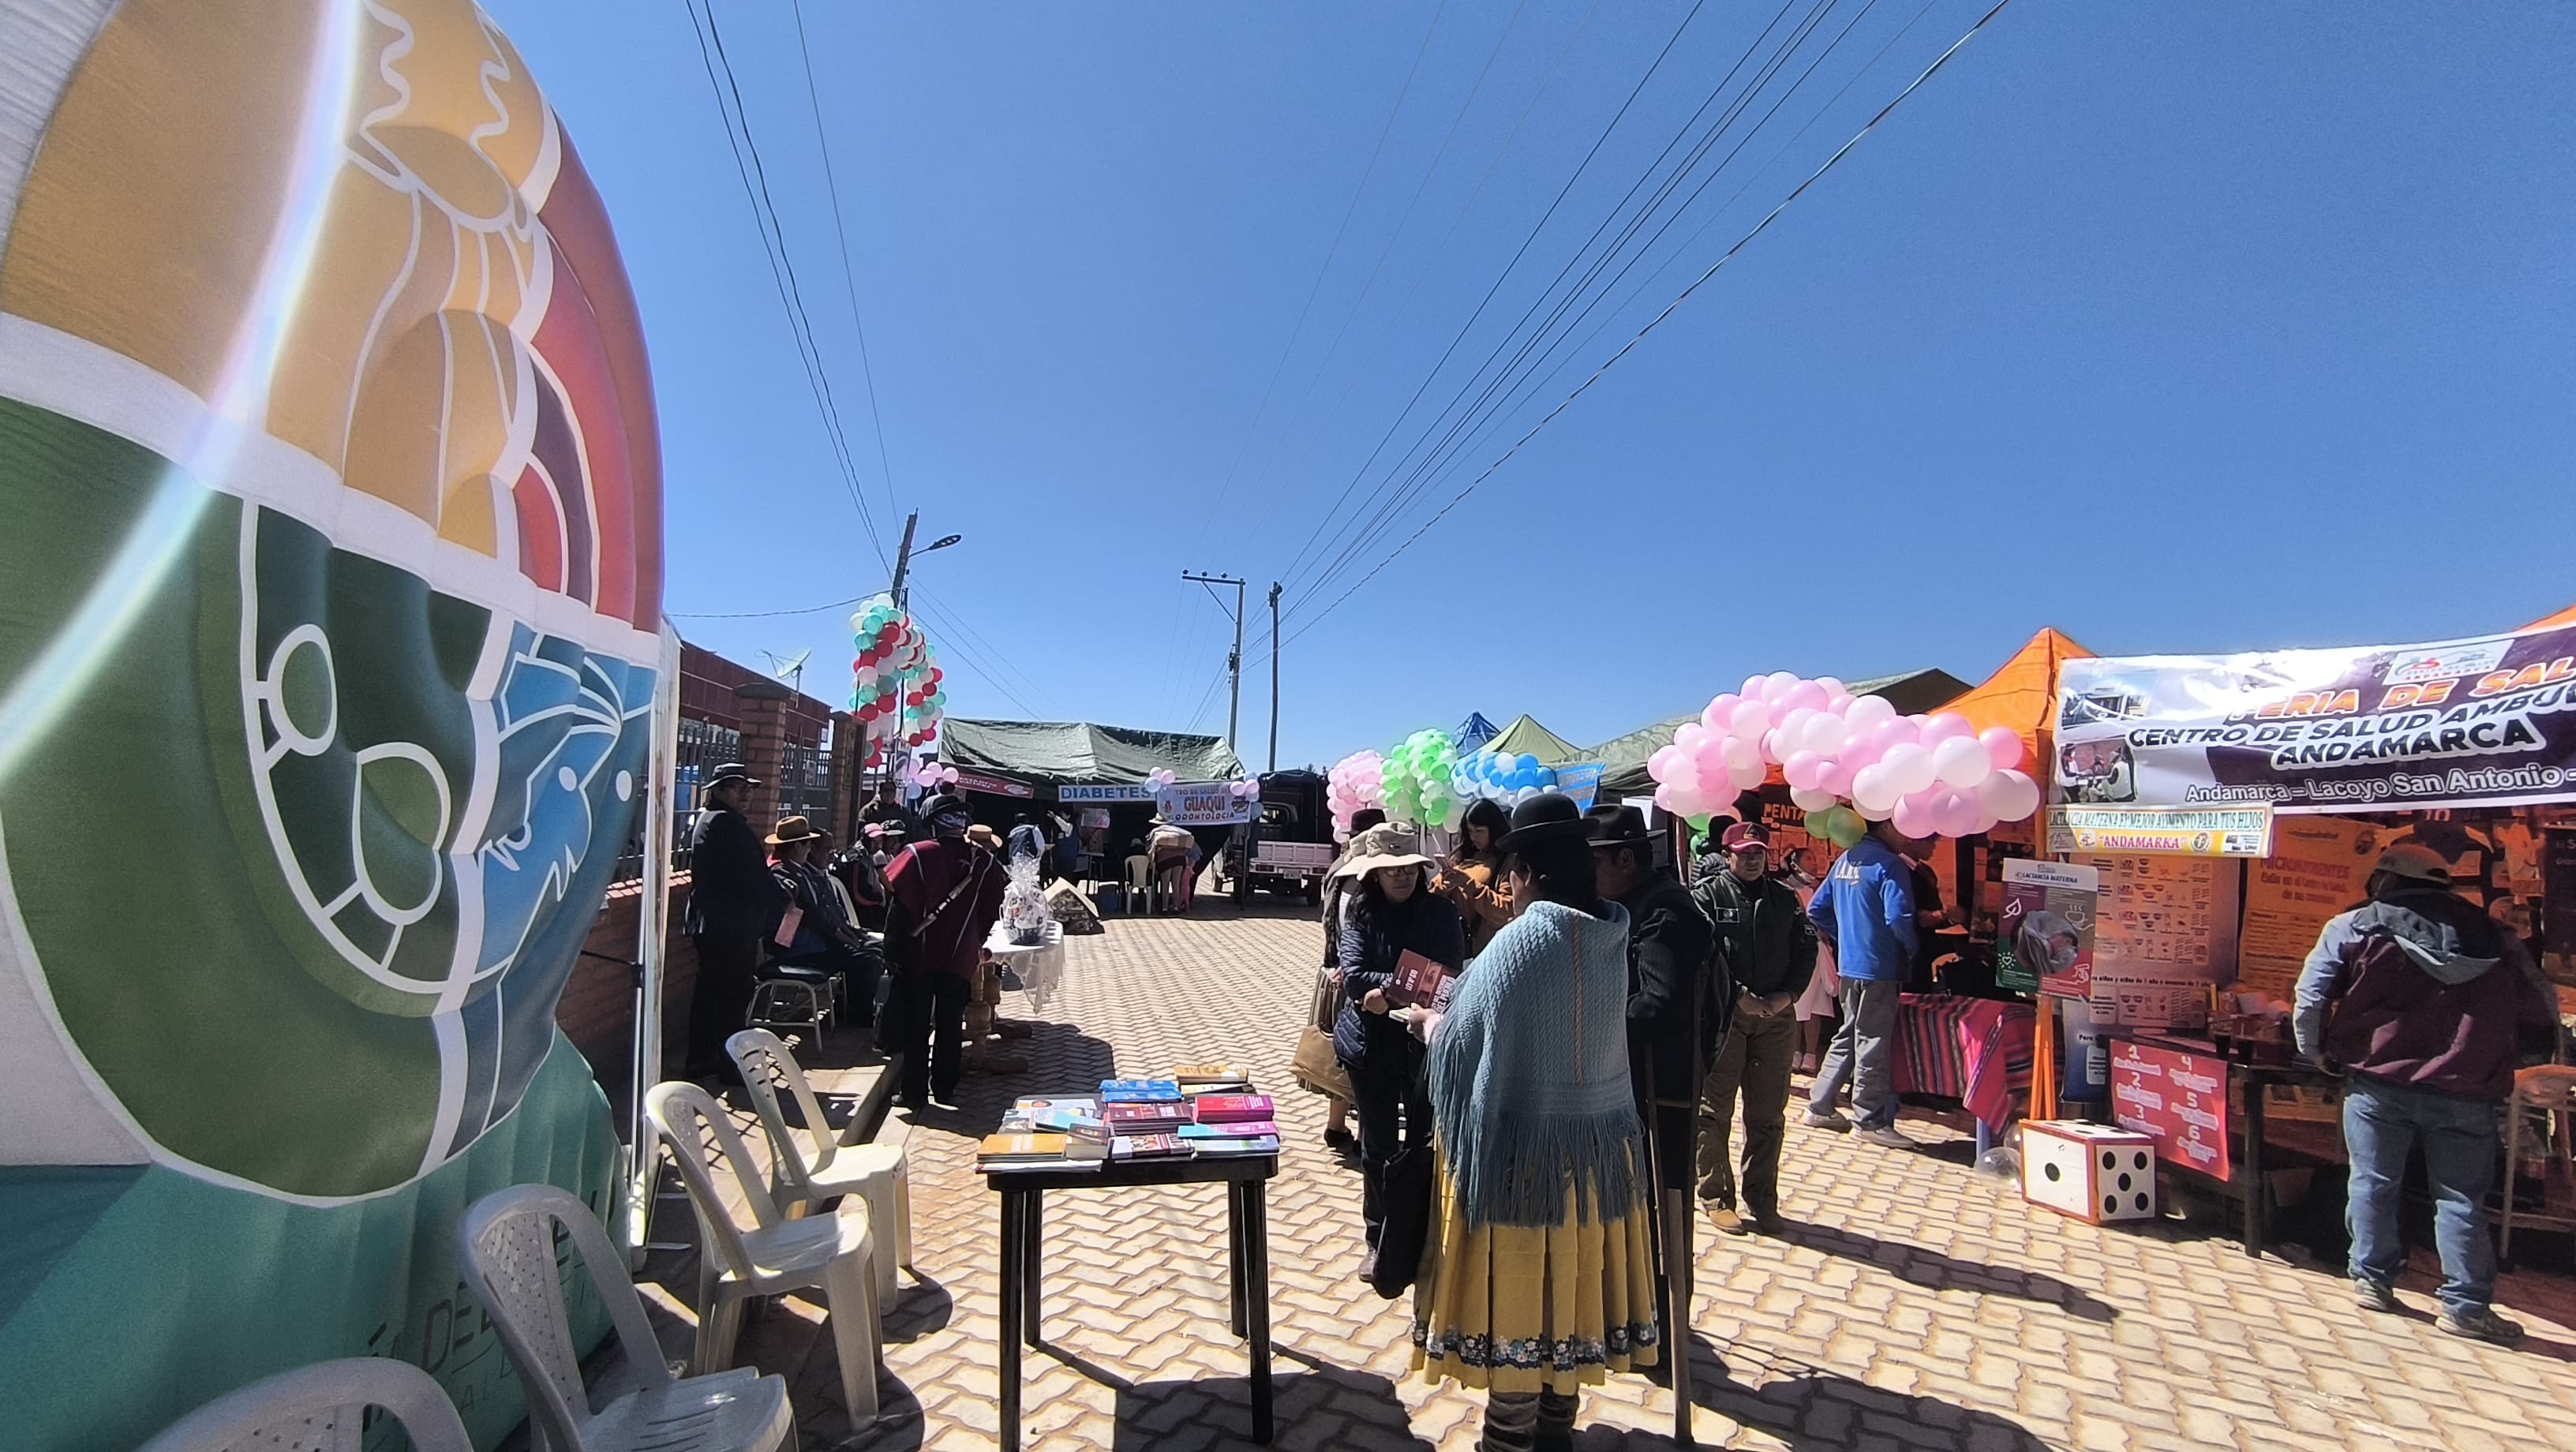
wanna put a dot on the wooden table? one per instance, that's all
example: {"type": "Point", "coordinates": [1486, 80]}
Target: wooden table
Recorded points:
{"type": "Point", "coordinates": [2247, 1177]}
{"type": "Point", "coordinates": [1023, 1191]}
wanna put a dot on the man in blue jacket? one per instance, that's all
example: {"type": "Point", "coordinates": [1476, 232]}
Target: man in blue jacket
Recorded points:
{"type": "Point", "coordinates": [1865, 910]}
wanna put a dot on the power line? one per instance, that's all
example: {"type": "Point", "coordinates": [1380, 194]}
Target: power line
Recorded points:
{"type": "Point", "coordinates": [782, 264]}
{"type": "Point", "coordinates": [953, 621]}
{"type": "Point", "coordinates": [761, 614]}
{"type": "Point", "coordinates": [1598, 142]}
{"type": "Point", "coordinates": [1669, 309]}
{"type": "Point", "coordinates": [1513, 375]}
{"type": "Point", "coordinates": [840, 233]}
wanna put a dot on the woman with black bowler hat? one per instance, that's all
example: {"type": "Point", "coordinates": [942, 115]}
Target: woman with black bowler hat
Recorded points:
{"type": "Point", "coordinates": [1391, 914]}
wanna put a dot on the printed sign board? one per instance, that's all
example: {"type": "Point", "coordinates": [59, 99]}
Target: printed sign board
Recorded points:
{"type": "Point", "coordinates": [2179, 1100]}
{"type": "Point", "coordinates": [2044, 934]}
{"type": "Point", "coordinates": [2182, 831]}
{"type": "Point", "coordinates": [2487, 722]}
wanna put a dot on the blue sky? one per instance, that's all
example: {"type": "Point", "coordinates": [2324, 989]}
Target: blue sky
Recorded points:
{"type": "Point", "coordinates": [2179, 327]}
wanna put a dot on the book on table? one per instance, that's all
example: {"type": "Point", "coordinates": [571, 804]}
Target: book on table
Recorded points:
{"type": "Point", "coordinates": [1139, 1091]}
{"type": "Point", "coordinates": [1051, 1115]}
{"type": "Point", "coordinates": [1237, 1148]}
{"type": "Point", "coordinates": [1147, 1147]}
{"type": "Point", "coordinates": [1212, 1078]}
{"type": "Point", "coordinates": [1231, 1108]}
{"type": "Point", "coordinates": [1249, 1129]}
{"type": "Point", "coordinates": [1144, 1118]}
{"type": "Point", "coordinates": [1019, 1149]}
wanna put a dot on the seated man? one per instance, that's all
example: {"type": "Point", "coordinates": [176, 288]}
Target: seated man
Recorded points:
{"type": "Point", "coordinates": [823, 936]}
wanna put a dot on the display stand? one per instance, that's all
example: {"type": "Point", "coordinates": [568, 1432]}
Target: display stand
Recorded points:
{"type": "Point", "coordinates": [1023, 1191]}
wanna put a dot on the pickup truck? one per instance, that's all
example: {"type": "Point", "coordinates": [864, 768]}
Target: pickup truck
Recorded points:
{"type": "Point", "coordinates": [1297, 867]}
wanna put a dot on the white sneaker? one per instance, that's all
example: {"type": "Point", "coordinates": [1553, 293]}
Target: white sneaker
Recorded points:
{"type": "Point", "coordinates": [1833, 1122]}
{"type": "Point", "coordinates": [1888, 1135]}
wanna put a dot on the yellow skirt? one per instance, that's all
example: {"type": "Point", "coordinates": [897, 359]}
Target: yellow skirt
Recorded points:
{"type": "Point", "coordinates": [1521, 1309]}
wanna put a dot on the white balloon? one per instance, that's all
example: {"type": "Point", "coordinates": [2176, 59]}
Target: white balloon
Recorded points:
{"type": "Point", "coordinates": [1811, 800]}
{"type": "Point", "coordinates": [1873, 792]}
{"type": "Point", "coordinates": [1825, 734]}
{"type": "Point", "coordinates": [1749, 778]}
{"type": "Point", "coordinates": [1867, 711]}
{"type": "Point", "coordinates": [1908, 767]}
{"type": "Point", "coordinates": [2024, 800]}
{"type": "Point", "coordinates": [1740, 756]}
{"type": "Point", "coordinates": [1961, 761]}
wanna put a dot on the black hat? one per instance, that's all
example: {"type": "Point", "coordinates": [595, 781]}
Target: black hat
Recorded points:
{"type": "Point", "coordinates": [1614, 825]}
{"type": "Point", "coordinates": [943, 803]}
{"type": "Point", "coordinates": [732, 771]}
{"type": "Point", "coordinates": [1547, 817]}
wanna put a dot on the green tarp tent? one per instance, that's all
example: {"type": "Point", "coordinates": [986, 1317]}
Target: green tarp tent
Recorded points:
{"type": "Point", "coordinates": [1082, 754]}
{"type": "Point", "coordinates": [1525, 737]}
{"type": "Point", "coordinates": [1623, 758]}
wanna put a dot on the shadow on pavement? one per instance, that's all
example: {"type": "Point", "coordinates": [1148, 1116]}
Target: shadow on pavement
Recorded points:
{"type": "Point", "coordinates": [1357, 1408]}
{"type": "Point", "coordinates": [1917, 1266]}
{"type": "Point", "coordinates": [1061, 1060]}
{"type": "Point", "coordinates": [1818, 1411]}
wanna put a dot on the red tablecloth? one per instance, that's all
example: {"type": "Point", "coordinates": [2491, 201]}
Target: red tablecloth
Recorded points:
{"type": "Point", "coordinates": [1975, 1050]}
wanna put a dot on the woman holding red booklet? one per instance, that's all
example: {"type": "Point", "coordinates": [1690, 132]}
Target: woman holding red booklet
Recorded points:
{"type": "Point", "coordinates": [1396, 933]}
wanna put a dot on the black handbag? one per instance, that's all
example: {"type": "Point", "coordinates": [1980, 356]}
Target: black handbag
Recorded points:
{"type": "Point", "coordinates": [1407, 1231]}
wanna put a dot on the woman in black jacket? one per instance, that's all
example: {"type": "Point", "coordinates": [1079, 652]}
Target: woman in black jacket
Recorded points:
{"type": "Point", "coordinates": [1391, 914]}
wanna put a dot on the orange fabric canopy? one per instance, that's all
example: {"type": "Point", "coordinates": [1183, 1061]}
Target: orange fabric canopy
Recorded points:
{"type": "Point", "coordinates": [2553, 622]}
{"type": "Point", "coordinates": [2021, 696]}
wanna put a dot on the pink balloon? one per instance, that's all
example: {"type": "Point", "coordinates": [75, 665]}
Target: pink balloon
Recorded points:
{"type": "Point", "coordinates": [1804, 770]}
{"type": "Point", "coordinates": [1805, 695]}
{"type": "Point", "coordinates": [1858, 752]}
{"type": "Point", "coordinates": [1837, 778]}
{"type": "Point", "coordinates": [1887, 735]}
{"type": "Point", "coordinates": [1752, 718]}
{"type": "Point", "coordinates": [1689, 738]}
{"type": "Point", "coordinates": [1912, 817]}
{"type": "Point", "coordinates": [1719, 712]}
{"type": "Point", "coordinates": [1953, 813]}
{"type": "Point", "coordinates": [1776, 685]}
{"type": "Point", "coordinates": [1660, 765]}
{"type": "Point", "coordinates": [1753, 687]}
{"type": "Point", "coordinates": [2003, 746]}
{"type": "Point", "coordinates": [1665, 798]}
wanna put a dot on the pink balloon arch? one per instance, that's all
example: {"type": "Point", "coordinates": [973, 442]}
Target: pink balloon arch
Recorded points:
{"type": "Point", "coordinates": [1848, 760]}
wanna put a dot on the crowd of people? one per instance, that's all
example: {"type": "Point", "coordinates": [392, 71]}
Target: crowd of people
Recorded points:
{"type": "Point", "coordinates": [1607, 1026]}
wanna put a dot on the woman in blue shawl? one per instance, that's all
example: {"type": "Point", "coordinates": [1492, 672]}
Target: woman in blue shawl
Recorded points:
{"type": "Point", "coordinates": [1539, 1275]}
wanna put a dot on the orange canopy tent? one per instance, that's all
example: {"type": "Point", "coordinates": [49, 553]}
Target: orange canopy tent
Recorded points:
{"type": "Point", "coordinates": [2552, 622]}
{"type": "Point", "coordinates": [2021, 696]}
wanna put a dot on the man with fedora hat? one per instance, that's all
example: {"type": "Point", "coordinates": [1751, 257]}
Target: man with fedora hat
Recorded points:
{"type": "Point", "coordinates": [1670, 953]}
{"type": "Point", "coordinates": [731, 898]}
{"type": "Point", "coordinates": [2419, 998]}
{"type": "Point", "coordinates": [943, 896]}
{"type": "Point", "coordinates": [1769, 949]}
{"type": "Point", "coordinates": [826, 939]}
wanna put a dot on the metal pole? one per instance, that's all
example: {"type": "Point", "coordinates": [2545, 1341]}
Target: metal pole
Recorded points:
{"type": "Point", "coordinates": [903, 557]}
{"type": "Point", "coordinates": [1274, 675]}
{"type": "Point", "coordinates": [1234, 669]}
{"type": "Point", "coordinates": [661, 779]}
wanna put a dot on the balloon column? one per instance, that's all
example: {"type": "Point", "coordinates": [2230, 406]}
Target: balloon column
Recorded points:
{"type": "Point", "coordinates": [1934, 776]}
{"type": "Point", "coordinates": [895, 681]}
{"type": "Point", "coordinates": [1418, 780]}
{"type": "Point", "coordinates": [1356, 783]}
{"type": "Point", "coordinates": [931, 776]}
{"type": "Point", "coordinates": [1501, 777]}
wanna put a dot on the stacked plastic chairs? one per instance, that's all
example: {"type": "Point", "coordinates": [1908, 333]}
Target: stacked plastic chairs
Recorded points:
{"type": "Point", "coordinates": [797, 1180]}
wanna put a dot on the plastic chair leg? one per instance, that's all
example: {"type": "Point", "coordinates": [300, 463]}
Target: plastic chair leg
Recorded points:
{"type": "Point", "coordinates": [850, 1297]}
{"type": "Point", "coordinates": [903, 1217]}
{"type": "Point", "coordinates": [879, 1192]}
{"type": "Point", "coordinates": [719, 1326]}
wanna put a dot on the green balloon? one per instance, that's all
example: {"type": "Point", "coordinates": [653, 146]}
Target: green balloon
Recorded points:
{"type": "Point", "coordinates": [1816, 824]}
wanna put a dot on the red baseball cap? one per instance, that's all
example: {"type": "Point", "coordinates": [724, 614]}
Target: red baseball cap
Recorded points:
{"type": "Point", "coordinates": [1746, 837]}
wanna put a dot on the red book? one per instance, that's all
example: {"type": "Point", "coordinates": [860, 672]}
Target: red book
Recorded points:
{"type": "Point", "coordinates": [1232, 1108]}
{"type": "Point", "coordinates": [1418, 981]}
{"type": "Point", "coordinates": [1144, 1118]}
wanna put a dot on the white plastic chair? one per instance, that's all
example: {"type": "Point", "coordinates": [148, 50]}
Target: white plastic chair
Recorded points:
{"type": "Point", "coordinates": [798, 1179]}
{"type": "Point", "coordinates": [835, 1252]}
{"type": "Point", "coordinates": [505, 1251]}
{"type": "Point", "coordinates": [1140, 885]}
{"type": "Point", "coordinates": [320, 1408]}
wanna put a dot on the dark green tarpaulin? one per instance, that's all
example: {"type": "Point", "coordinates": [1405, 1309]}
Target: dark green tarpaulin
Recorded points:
{"type": "Point", "coordinates": [1525, 737]}
{"type": "Point", "coordinates": [1623, 758]}
{"type": "Point", "coordinates": [1082, 754]}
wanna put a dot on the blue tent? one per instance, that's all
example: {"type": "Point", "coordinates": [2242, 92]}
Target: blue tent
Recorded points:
{"type": "Point", "coordinates": [1475, 731]}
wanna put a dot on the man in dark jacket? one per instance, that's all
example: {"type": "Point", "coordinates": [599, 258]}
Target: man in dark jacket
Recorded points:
{"type": "Point", "coordinates": [943, 896]}
{"type": "Point", "coordinates": [1769, 949]}
{"type": "Point", "coordinates": [2418, 997]}
{"type": "Point", "coordinates": [1670, 1005]}
{"type": "Point", "coordinates": [731, 898]}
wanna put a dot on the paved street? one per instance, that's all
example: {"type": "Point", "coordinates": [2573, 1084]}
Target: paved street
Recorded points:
{"type": "Point", "coordinates": [1912, 1305]}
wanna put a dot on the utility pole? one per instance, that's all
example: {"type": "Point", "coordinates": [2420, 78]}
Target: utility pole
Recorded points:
{"type": "Point", "coordinates": [1274, 675]}
{"type": "Point", "coordinates": [1234, 658]}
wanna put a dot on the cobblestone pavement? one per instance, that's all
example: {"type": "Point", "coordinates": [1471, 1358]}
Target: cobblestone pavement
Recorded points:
{"type": "Point", "coordinates": [1911, 1305]}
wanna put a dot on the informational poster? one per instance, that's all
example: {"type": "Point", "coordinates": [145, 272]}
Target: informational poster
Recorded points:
{"type": "Point", "coordinates": [1581, 782]}
{"type": "Point", "coordinates": [2316, 870]}
{"type": "Point", "coordinates": [994, 786]}
{"type": "Point", "coordinates": [2462, 723]}
{"type": "Point", "coordinates": [2044, 934]}
{"type": "Point", "coordinates": [2179, 1100]}
{"type": "Point", "coordinates": [2167, 930]}
{"type": "Point", "coordinates": [1206, 804]}
{"type": "Point", "coordinates": [2558, 920]}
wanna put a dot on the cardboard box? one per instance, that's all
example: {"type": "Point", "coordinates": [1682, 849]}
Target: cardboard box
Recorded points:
{"type": "Point", "coordinates": [2089, 1172]}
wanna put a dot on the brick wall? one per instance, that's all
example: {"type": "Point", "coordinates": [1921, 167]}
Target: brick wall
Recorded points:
{"type": "Point", "coordinates": [597, 1011]}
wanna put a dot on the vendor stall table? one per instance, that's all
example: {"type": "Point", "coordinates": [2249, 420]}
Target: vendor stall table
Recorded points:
{"type": "Point", "coordinates": [1023, 1191]}
{"type": "Point", "coordinates": [1974, 1050]}
{"type": "Point", "coordinates": [2255, 1147]}
{"type": "Point", "coordinates": [1040, 964]}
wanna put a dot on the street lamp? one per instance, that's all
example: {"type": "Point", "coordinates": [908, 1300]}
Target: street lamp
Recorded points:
{"type": "Point", "coordinates": [941, 543]}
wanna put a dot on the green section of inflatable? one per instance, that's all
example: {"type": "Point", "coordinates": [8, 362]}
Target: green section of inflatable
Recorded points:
{"type": "Point", "coordinates": [180, 1289]}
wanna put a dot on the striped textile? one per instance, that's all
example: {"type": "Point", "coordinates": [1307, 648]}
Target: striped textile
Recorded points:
{"type": "Point", "coordinates": [1975, 1050]}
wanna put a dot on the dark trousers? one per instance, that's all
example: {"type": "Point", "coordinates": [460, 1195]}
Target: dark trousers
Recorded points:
{"type": "Point", "coordinates": [1753, 1062]}
{"type": "Point", "coordinates": [858, 969]}
{"type": "Point", "coordinates": [721, 998]}
{"type": "Point", "coordinates": [929, 1008]}
{"type": "Point", "coordinates": [1395, 1112]}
